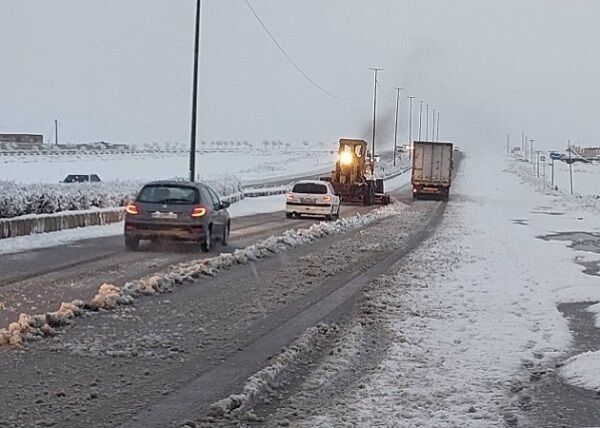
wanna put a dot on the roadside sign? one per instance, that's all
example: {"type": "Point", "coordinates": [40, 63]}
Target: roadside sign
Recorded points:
{"type": "Point", "coordinates": [542, 158]}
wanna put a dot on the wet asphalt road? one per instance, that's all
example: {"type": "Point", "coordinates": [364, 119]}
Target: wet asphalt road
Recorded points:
{"type": "Point", "coordinates": [109, 366]}
{"type": "Point", "coordinates": [38, 281]}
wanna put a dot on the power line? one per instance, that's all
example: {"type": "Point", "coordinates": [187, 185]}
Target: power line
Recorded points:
{"type": "Point", "coordinates": [384, 93]}
{"type": "Point", "coordinates": [289, 58]}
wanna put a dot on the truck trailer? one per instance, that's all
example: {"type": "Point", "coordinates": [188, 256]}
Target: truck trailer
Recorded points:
{"type": "Point", "coordinates": [431, 169]}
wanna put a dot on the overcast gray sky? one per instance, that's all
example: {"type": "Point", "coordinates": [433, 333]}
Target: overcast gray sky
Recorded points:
{"type": "Point", "coordinates": [120, 70]}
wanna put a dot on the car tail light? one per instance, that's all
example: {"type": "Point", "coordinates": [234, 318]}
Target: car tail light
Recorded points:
{"type": "Point", "coordinates": [132, 209]}
{"type": "Point", "coordinates": [326, 198]}
{"type": "Point", "coordinates": [198, 212]}
{"type": "Point", "coordinates": [290, 196]}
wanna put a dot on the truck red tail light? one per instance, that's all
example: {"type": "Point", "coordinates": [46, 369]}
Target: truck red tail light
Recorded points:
{"type": "Point", "coordinates": [132, 209]}
{"type": "Point", "coordinates": [326, 198]}
{"type": "Point", "coordinates": [290, 196]}
{"type": "Point", "coordinates": [198, 212]}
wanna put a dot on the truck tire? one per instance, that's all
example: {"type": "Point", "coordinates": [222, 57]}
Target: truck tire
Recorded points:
{"type": "Point", "coordinates": [379, 185]}
{"type": "Point", "coordinates": [369, 192]}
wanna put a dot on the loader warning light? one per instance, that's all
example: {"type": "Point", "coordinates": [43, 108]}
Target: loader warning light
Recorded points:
{"type": "Point", "coordinates": [346, 158]}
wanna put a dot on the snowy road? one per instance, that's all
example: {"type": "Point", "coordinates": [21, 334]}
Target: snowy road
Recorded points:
{"type": "Point", "coordinates": [492, 322]}
{"type": "Point", "coordinates": [38, 281]}
{"type": "Point", "coordinates": [109, 366]}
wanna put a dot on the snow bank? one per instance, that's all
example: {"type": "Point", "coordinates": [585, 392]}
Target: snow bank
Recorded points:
{"type": "Point", "coordinates": [582, 370]}
{"type": "Point", "coordinates": [110, 296]}
{"type": "Point", "coordinates": [269, 377]}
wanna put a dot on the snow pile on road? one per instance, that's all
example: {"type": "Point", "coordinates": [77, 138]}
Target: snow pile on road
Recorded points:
{"type": "Point", "coordinates": [271, 376]}
{"type": "Point", "coordinates": [583, 370]}
{"type": "Point", "coordinates": [190, 271]}
{"type": "Point", "coordinates": [110, 296]}
{"type": "Point", "coordinates": [20, 199]}
{"type": "Point", "coordinates": [33, 327]}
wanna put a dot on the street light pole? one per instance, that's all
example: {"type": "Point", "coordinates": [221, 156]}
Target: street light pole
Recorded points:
{"type": "Point", "coordinates": [396, 124]}
{"type": "Point", "coordinates": [437, 132]}
{"type": "Point", "coordinates": [410, 101]}
{"type": "Point", "coordinates": [195, 95]}
{"type": "Point", "coordinates": [376, 70]}
{"type": "Point", "coordinates": [543, 160]}
{"type": "Point", "coordinates": [427, 124]}
{"type": "Point", "coordinates": [420, 117]}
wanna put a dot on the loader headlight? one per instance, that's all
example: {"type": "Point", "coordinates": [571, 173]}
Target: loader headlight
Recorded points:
{"type": "Point", "coordinates": [346, 158]}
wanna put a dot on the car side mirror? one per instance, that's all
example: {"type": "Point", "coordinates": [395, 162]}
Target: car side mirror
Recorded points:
{"type": "Point", "coordinates": [225, 204]}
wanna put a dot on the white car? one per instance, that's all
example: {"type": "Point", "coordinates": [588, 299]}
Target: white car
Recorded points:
{"type": "Point", "coordinates": [313, 197]}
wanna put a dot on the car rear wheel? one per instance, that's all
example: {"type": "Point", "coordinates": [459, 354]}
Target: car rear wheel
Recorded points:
{"type": "Point", "coordinates": [206, 244]}
{"type": "Point", "coordinates": [132, 243]}
{"type": "Point", "coordinates": [289, 215]}
{"type": "Point", "coordinates": [337, 214]}
{"type": "Point", "coordinates": [225, 239]}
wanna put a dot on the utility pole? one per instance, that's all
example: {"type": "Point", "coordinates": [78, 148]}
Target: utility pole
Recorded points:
{"type": "Point", "coordinates": [508, 143]}
{"type": "Point", "coordinates": [56, 132]}
{"type": "Point", "coordinates": [570, 168]}
{"type": "Point", "coordinates": [433, 125]}
{"type": "Point", "coordinates": [195, 95]}
{"type": "Point", "coordinates": [537, 163]}
{"type": "Point", "coordinates": [420, 116]}
{"type": "Point", "coordinates": [543, 160]}
{"type": "Point", "coordinates": [410, 101]}
{"type": "Point", "coordinates": [375, 70]}
{"type": "Point", "coordinates": [427, 124]}
{"type": "Point", "coordinates": [532, 154]}
{"type": "Point", "coordinates": [437, 132]}
{"type": "Point", "coordinates": [396, 124]}
{"type": "Point", "coordinates": [553, 173]}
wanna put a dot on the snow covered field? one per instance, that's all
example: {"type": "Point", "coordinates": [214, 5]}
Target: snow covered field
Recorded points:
{"type": "Point", "coordinates": [472, 310]}
{"type": "Point", "coordinates": [246, 165]}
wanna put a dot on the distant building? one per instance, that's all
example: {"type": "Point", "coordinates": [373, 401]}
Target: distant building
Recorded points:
{"type": "Point", "coordinates": [586, 152]}
{"type": "Point", "coordinates": [21, 141]}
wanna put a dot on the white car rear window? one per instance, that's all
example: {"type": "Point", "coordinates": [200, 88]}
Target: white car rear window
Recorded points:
{"type": "Point", "coordinates": [313, 188]}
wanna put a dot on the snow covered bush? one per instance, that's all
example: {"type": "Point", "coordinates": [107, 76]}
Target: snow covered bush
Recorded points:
{"type": "Point", "coordinates": [17, 199]}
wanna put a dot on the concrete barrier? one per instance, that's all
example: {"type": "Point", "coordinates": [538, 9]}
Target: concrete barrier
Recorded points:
{"type": "Point", "coordinates": [32, 224]}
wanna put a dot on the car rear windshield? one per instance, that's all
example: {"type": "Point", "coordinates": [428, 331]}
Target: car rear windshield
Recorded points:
{"type": "Point", "coordinates": [76, 178]}
{"type": "Point", "coordinates": [314, 188]}
{"type": "Point", "coordinates": [169, 194]}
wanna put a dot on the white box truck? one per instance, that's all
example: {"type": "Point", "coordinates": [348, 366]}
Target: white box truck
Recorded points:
{"type": "Point", "coordinates": [431, 169]}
